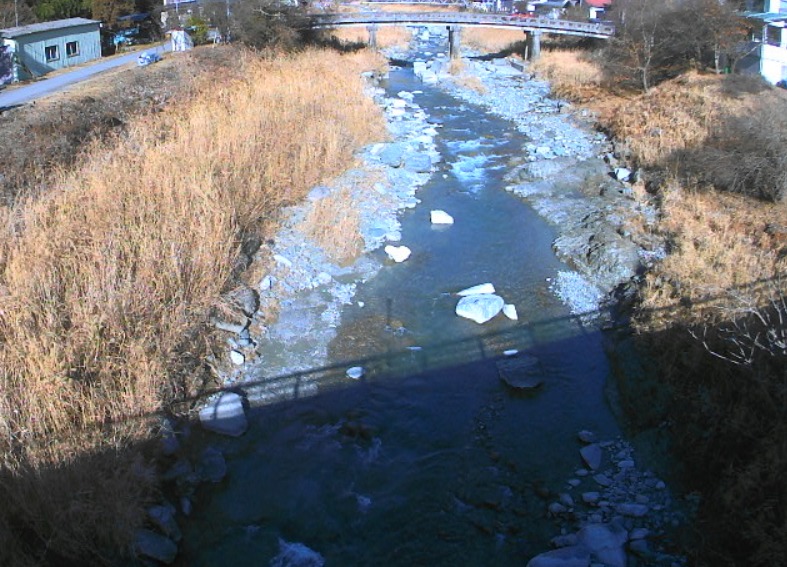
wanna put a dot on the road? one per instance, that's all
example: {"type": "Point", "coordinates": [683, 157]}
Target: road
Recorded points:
{"type": "Point", "coordinates": [27, 93]}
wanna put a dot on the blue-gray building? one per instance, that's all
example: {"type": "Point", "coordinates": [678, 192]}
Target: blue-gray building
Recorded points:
{"type": "Point", "coordinates": [37, 49]}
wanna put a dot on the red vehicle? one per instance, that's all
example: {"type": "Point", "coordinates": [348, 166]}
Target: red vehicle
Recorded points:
{"type": "Point", "coordinates": [523, 15]}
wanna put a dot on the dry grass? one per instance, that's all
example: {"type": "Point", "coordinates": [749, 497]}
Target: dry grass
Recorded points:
{"type": "Point", "coordinates": [58, 128]}
{"type": "Point", "coordinates": [334, 224]}
{"type": "Point", "coordinates": [387, 36]}
{"type": "Point", "coordinates": [490, 40]}
{"type": "Point", "coordinates": [712, 316]}
{"type": "Point", "coordinates": [463, 79]}
{"type": "Point", "coordinates": [719, 243]}
{"type": "Point", "coordinates": [571, 74]}
{"type": "Point", "coordinates": [107, 280]}
{"type": "Point", "coordinates": [675, 115]}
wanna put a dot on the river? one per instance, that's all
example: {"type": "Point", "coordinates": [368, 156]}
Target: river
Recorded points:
{"type": "Point", "coordinates": [430, 458]}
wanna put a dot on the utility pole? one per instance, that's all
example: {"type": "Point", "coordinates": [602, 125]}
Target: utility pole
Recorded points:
{"type": "Point", "coordinates": [16, 13]}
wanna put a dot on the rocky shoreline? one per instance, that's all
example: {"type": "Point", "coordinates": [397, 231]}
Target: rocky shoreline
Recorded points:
{"type": "Point", "coordinates": [611, 512]}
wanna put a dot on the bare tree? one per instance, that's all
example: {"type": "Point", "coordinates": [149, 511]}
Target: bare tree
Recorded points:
{"type": "Point", "coordinates": [263, 23]}
{"type": "Point", "coordinates": [15, 11]}
{"type": "Point", "coordinates": [659, 40]}
{"type": "Point", "coordinates": [642, 43]}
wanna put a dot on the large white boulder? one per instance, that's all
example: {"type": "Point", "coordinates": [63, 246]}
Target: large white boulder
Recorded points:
{"type": "Point", "coordinates": [398, 253]}
{"type": "Point", "coordinates": [480, 308]}
{"type": "Point", "coordinates": [440, 217]}
{"type": "Point", "coordinates": [225, 415]}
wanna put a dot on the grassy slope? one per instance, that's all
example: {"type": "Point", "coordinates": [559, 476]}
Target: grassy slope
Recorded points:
{"type": "Point", "coordinates": [108, 276]}
{"type": "Point", "coordinates": [715, 296]}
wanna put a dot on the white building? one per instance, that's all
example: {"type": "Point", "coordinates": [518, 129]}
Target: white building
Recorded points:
{"type": "Point", "coordinates": [770, 46]}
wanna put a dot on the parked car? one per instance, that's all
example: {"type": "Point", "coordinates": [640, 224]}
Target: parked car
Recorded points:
{"type": "Point", "coordinates": [148, 58]}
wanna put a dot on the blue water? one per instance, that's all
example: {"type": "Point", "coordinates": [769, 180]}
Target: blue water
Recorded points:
{"type": "Point", "coordinates": [431, 459]}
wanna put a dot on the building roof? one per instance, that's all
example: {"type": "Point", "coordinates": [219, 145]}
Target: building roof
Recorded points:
{"type": "Point", "coordinates": [767, 17]}
{"type": "Point", "coordinates": [598, 3]}
{"type": "Point", "coordinates": [45, 26]}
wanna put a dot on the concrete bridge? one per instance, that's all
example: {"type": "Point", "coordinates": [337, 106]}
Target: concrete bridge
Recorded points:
{"type": "Point", "coordinates": [533, 27]}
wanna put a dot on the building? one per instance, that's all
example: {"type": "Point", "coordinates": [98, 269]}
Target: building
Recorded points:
{"type": "Point", "coordinates": [768, 50]}
{"type": "Point", "coordinates": [596, 8]}
{"type": "Point", "coordinates": [37, 49]}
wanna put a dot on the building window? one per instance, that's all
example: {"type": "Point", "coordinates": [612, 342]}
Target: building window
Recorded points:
{"type": "Point", "coordinates": [773, 35]}
{"type": "Point", "coordinates": [52, 53]}
{"type": "Point", "coordinates": [72, 49]}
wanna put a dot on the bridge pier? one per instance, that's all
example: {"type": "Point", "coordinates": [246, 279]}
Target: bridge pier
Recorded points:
{"type": "Point", "coordinates": [533, 44]}
{"type": "Point", "coordinates": [454, 43]}
{"type": "Point", "coordinates": [372, 29]}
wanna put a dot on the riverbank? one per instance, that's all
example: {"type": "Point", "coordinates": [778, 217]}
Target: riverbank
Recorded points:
{"type": "Point", "coordinates": [698, 139]}
{"type": "Point", "coordinates": [111, 276]}
{"type": "Point", "coordinates": [615, 502]}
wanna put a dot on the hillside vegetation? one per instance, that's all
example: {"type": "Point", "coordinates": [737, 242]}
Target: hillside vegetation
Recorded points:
{"type": "Point", "coordinates": [712, 315]}
{"type": "Point", "coordinates": [108, 276]}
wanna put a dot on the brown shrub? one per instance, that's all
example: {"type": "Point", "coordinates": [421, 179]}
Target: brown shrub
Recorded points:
{"type": "Point", "coordinates": [572, 74]}
{"type": "Point", "coordinates": [745, 152]}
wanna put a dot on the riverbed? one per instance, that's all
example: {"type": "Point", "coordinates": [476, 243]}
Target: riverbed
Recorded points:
{"type": "Point", "coordinates": [425, 455]}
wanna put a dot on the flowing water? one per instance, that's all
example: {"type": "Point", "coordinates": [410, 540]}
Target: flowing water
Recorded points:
{"type": "Point", "coordinates": [430, 459]}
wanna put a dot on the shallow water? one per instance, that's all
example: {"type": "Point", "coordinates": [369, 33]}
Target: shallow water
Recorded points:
{"type": "Point", "coordinates": [430, 459]}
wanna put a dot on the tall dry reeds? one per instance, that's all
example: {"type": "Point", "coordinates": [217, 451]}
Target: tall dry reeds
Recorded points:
{"type": "Point", "coordinates": [387, 36]}
{"type": "Point", "coordinates": [107, 280]}
{"type": "Point", "coordinates": [491, 40]}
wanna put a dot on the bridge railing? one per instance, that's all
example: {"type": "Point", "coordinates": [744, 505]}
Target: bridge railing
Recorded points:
{"type": "Point", "coordinates": [464, 18]}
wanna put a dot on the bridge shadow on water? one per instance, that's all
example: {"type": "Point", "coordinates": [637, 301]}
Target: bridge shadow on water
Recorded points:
{"type": "Point", "coordinates": [39, 501]}
{"type": "Point", "coordinates": [530, 338]}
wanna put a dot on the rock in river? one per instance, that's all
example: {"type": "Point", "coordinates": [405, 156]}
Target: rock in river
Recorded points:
{"type": "Point", "coordinates": [355, 372]}
{"type": "Point", "coordinates": [591, 454]}
{"type": "Point", "coordinates": [149, 544]}
{"type": "Point", "coordinates": [480, 308]}
{"type": "Point", "coordinates": [477, 289]}
{"type": "Point", "coordinates": [398, 253]}
{"type": "Point", "coordinates": [605, 542]}
{"type": "Point", "coordinates": [225, 415]}
{"type": "Point", "coordinates": [575, 556]}
{"type": "Point", "coordinates": [440, 217]}
{"type": "Point", "coordinates": [522, 372]}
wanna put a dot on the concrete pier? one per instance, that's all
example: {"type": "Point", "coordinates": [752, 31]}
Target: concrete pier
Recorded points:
{"type": "Point", "coordinates": [454, 41]}
{"type": "Point", "coordinates": [533, 44]}
{"type": "Point", "coordinates": [372, 29]}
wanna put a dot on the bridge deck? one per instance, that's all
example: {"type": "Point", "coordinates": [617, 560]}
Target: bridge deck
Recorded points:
{"type": "Point", "coordinates": [546, 25]}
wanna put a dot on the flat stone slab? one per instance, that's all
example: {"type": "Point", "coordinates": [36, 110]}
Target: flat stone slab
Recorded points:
{"type": "Point", "coordinates": [225, 415]}
{"type": "Point", "coordinates": [477, 290]}
{"type": "Point", "coordinates": [573, 556]}
{"type": "Point", "coordinates": [521, 372]}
